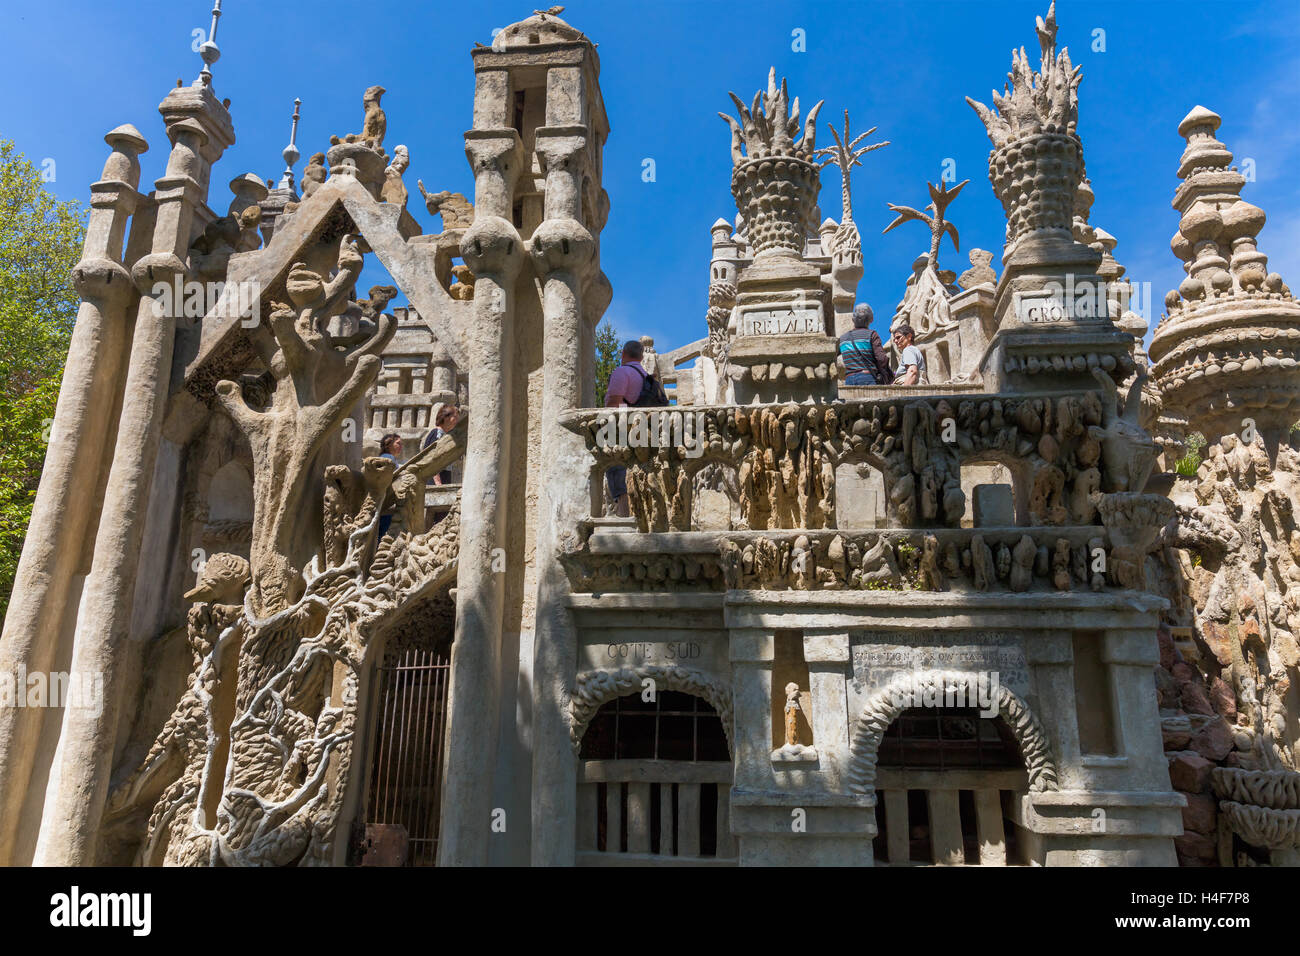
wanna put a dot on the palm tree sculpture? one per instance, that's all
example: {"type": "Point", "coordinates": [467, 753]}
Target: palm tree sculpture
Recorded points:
{"type": "Point", "coordinates": [939, 200]}
{"type": "Point", "coordinates": [845, 154]}
{"type": "Point", "coordinates": [925, 305]}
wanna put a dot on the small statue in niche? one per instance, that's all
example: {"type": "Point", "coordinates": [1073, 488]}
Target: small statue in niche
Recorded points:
{"type": "Point", "coordinates": [792, 714]}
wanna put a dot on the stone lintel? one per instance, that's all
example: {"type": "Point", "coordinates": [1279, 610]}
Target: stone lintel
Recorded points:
{"type": "Point", "coordinates": [1149, 813]}
{"type": "Point", "coordinates": [934, 610]}
{"type": "Point", "coordinates": [646, 601]}
{"type": "Point", "coordinates": [1055, 648]}
{"type": "Point", "coordinates": [573, 53]}
{"type": "Point", "coordinates": [826, 648]}
{"type": "Point", "coordinates": [745, 797]}
{"type": "Point", "coordinates": [1137, 648]}
{"type": "Point", "coordinates": [786, 349]}
{"type": "Point", "coordinates": [569, 138]}
{"type": "Point", "coordinates": [752, 647]}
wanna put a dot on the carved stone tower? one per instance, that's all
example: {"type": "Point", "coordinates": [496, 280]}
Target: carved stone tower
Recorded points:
{"type": "Point", "coordinates": [539, 128]}
{"type": "Point", "coordinates": [77, 584]}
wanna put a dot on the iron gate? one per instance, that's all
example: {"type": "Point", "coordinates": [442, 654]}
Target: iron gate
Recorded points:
{"type": "Point", "coordinates": [408, 755]}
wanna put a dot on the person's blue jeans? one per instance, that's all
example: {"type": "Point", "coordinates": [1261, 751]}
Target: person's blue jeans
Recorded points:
{"type": "Point", "coordinates": [860, 378]}
{"type": "Point", "coordinates": [617, 478]}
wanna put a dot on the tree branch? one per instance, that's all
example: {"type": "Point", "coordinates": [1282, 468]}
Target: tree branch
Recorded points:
{"type": "Point", "coordinates": [231, 400]}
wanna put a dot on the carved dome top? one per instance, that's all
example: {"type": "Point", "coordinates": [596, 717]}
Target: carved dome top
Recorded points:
{"type": "Point", "coordinates": [544, 26]}
{"type": "Point", "coordinates": [1199, 116]}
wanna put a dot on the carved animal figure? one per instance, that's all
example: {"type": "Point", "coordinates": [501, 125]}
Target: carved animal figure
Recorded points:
{"type": "Point", "coordinates": [394, 190]}
{"type": "Point", "coordinates": [314, 175]}
{"type": "Point", "coordinates": [408, 489]}
{"type": "Point", "coordinates": [376, 123]}
{"type": "Point", "coordinates": [1128, 452]}
{"type": "Point", "coordinates": [223, 580]}
{"type": "Point", "coordinates": [980, 270]}
{"type": "Point", "coordinates": [457, 212]}
{"type": "Point", "coordinates": [462, 290]}
{"type": "Point", "coordinates": [351, 502]}
{"type": "Point", "coordinates": [380, 296]}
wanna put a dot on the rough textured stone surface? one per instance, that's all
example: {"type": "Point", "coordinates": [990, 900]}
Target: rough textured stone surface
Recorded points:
{"type": "Point", "coordinates": [1201, 813]}
{"type": "Point", "coordinates": [1190, 772]}
{"type": "Point", "coordinates": [1195, 849]}
{"type": "Point", "coordinates": [1214, 740]}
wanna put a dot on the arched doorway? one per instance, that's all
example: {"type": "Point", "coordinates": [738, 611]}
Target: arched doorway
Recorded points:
{"type": "Point", "coordinates": [945, 778]}
{"type": "Point", "coordinates": [654, 783]}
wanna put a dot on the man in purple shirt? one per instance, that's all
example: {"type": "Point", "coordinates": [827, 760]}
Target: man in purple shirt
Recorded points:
{"type": "Point", "coordinates": [624, 389]}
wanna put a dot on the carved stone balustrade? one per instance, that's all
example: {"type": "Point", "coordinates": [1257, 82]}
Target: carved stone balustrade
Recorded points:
{"type": "Point", "coordinates": [776, 464]}
{"type": "Point", "coordinates": [967, 560]}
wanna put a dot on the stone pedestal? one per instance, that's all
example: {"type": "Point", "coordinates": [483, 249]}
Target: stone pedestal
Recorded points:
{"type": "Point", "coordinates": [781, 351]}
{"type": "Point", "coordinates": [1052, 316]}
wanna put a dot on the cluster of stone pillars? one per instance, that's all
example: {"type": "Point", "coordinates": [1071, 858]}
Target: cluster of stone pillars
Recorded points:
{"type": "Point", "coordinates": [76, 586]}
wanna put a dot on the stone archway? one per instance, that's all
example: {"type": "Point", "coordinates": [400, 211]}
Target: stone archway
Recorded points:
{"type": "Point", "coordinates": [594, 688]}
{"type": "Point", "coordinates": [887, 703]}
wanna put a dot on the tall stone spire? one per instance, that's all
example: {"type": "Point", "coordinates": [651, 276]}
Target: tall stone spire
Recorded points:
{"type": "Point", "coordinates": [1230, 343]}
{"type": "Point", "coordinates": [781, 351]}
{"type": "Point", "coordinates": [285, 191]}
{"type": "Point", "coordinates": [290, 152]}
{"type": "Point", "coordinates": [209, 49]}
{"type": "Point", "coordinates": [1052, 306]}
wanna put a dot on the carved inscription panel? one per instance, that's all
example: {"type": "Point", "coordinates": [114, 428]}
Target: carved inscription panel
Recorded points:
{"type": "Point", "coordinates": [879, 657]}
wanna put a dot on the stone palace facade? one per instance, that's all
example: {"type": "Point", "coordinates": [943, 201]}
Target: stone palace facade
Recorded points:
{"type": "Point", "coordinates": [982, 620]}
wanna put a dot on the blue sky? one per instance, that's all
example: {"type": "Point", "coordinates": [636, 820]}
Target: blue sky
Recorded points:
{"type": "Point", "coordinates": [75, 69]}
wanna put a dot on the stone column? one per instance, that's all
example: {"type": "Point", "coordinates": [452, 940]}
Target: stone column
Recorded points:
{"type": "Point", "coordinates": [74, 464]}
{"type": "Point", "coordinates": [562, 251]}
{"type": "Point", "coordinates": [829, 667]}
{"type": "Point", "coordinates": [493, 249]}
{"type": "Point", "coordinates": [442, 379]}
{"type": "Point", "coordinates": [846, 270]}
{"type": "Point", "coordinates": [199, 129]}
{"type": "Point", "coordinates": [792, 814]}
{"type": "Point", "coordinates": [1131, 655]}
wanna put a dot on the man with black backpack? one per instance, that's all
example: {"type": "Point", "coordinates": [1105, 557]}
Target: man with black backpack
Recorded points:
{"type": "Point", "coordinates": [630, 384]}
{"type": "Point", "coordinates": [863, 354]}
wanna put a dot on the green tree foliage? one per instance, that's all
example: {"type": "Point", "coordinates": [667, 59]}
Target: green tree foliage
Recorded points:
{"type": "Point", "coordinates": [608, 352]}
{"type": "Point", "coordinates": [1191, 460]}
{"type": "Point", "coordinates": [40, 242]}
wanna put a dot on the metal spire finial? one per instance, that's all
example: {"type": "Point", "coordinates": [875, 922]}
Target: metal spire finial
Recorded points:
{"type": "Point", "coordinates": [209, 49]}
{"type": "Point", "coordinates": [290, 153]}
